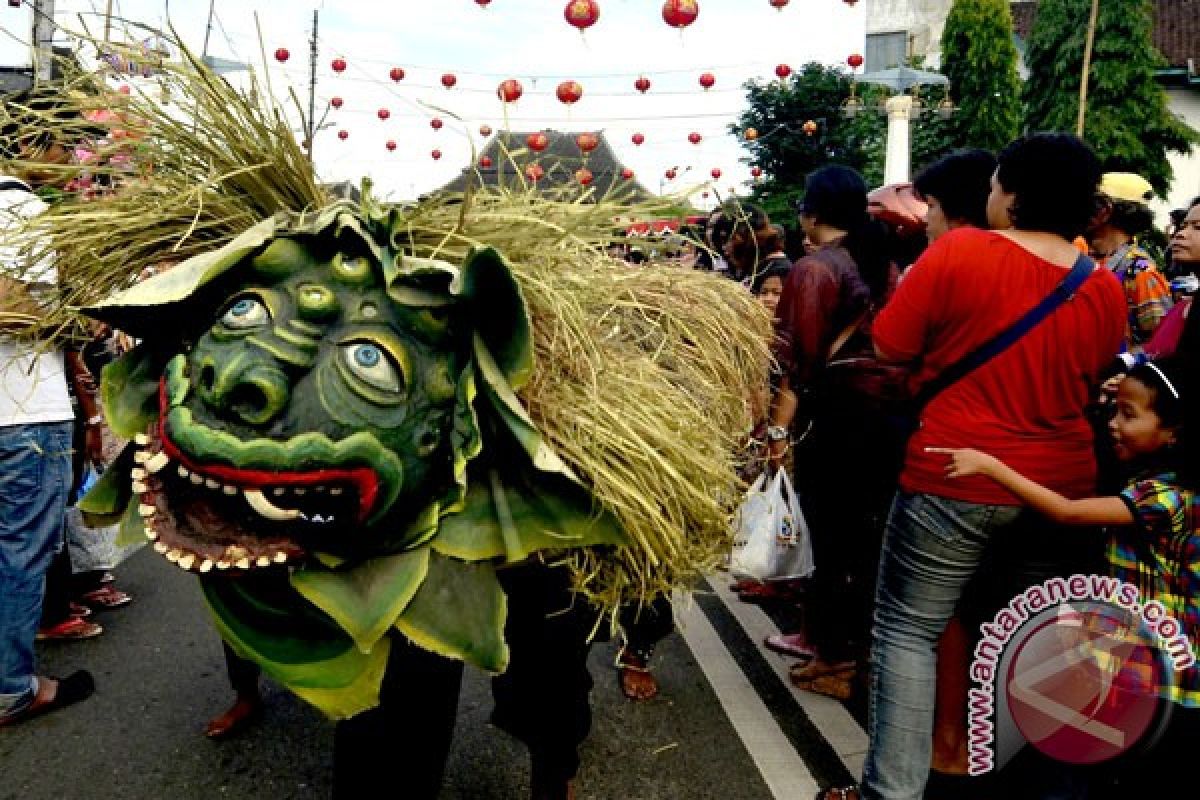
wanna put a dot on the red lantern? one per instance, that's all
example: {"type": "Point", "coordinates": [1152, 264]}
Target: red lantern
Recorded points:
{"type": "Point", "coordinates": [582, 13]}
{"type": "Point", "coordinates": [396, 74]}
{"type": "Point", "coordinates": [436, 154]}
{"type": "Point", "coordinates": [448, 80]}
{"type": "Point", "coordinates": [670, 174]}
{"type": "Point", "coordinates": [680, 13]}
{"type": "Point", "coordinates": [584, 176]}
{"type": "Point", "coordinates": [435, 123]}
{"type": "Point", "coordinates": [485, 130]}
{"type": "Point", "coordinates": [638, 138]}
{"type": "Point", "coordinates": [756, 172]}
{"type": "Point", "coordinates": [485, 162]}
{"type": "Point", "coordinates": [779, 4]}
{"type": "Point", "coordinates": [782, 71]}
{"type": "Point", "coordinates": [751, 134]}
{"type": "Point", "coordinates": [642, 84]}
{"type": "Point", "coordinates": [850, 2]}
{"type": "Point", "coordinates": [282, 55]}
{"type": "Point", "coordinates": [809, 128]}
{"type": "Point", "coordinates": [537, 142]}
{"type": "Point", "coordinates": [707, 80]}
{"type": "Point", "coordinates": [509, 91]}
{"type": "Point", "coordinates": [391, 145]}
{"type": "Point", "coordinates": [383, 113]}
{"type": "Point", "coordinates": [338, 64]}
{"type": "Point", "coordinates": [534, 172]}
{"type": "Point", "coordinates": [627, 174]}
{"type": "Point", "coordinates": [343, 135]}
{"type": "Point", "coordinates": [336, 102]}
{"type": "Point", "coordinates": [587, 142]}
{"type": "Point", "coordinates": [482, 3]}
{"type": "Point", "coordinates": [569, 92]}
{"type": "Point", "coordinates": [854, 60]}
{"type": "Point", "coordinates": [694, 137]}
{"type": "Point", "coordinates": [716, 174]}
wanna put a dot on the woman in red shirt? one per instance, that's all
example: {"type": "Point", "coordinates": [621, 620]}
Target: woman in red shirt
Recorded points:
{"type": "Point", "coordinates": [1025, 406]}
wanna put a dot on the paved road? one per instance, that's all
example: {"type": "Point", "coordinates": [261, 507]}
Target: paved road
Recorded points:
{"type": "Point", "coordinates": [727, 725]}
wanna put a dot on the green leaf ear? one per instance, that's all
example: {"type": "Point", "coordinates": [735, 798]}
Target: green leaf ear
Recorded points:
{"type": "Point", "coordinates": [129, 389]}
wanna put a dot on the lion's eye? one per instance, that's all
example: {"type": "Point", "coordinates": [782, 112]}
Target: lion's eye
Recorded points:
{"type": "Point", "coordinates": [371, 363]}
{"type": "Point", "coordinates": [247, 312]}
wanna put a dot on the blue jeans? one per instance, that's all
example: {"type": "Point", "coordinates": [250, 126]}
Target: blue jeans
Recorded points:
{"type": "Point", "coordinates": [932, 547]}
{"type": "Point", "coordinates": [35, 477]}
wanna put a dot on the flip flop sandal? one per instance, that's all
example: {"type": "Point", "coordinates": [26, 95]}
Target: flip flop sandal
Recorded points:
{"type": "Point", "coordinates": [78, 610]}
{"type": "Point", "coordinates": [70, 628]}
{"type": "Point", "coordinates": [106, 597]}
{"type": "Point", "coordinates": [791, 644]}
{"type": "Point", "coordinates": [642, 667]}
{"type": "Point", "coordinates": [75, 687]}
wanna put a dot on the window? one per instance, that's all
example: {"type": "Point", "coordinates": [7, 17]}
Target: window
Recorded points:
{"type": "Point", "coordinates": [886, 50]}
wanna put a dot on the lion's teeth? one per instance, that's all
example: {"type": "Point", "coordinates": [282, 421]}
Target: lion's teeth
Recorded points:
{"type": "Point", "coordinates": [183, 472]}
{"type": "Point", "coordinates": [196, 479]}
{"type": "Point", "coordinates": [141, 457]}
{"type": "Point", "coordinates": [138, 474]}
{"type": "Point", "coordinates": [229, 490]}
{"type": "Point", "coordinates": [211, 484]}
{"type": "Point", "coordinates": [141, 439]}
{"type": "Point", "coordinates": [335, 490]}
{"type": "Point", "coordinates": [151, 534]}
{"type": "Point", "coordinates": [174, 554]}
{"type": "Point", "coordinates": [157, 461]}
{"type": "Point", "coordinates": [263, 561]}
{"type": "Point", "coordinates": [206, 565]}
{"type": "Point", "coordinates": [257, 501]}
{"type": "Point", "coordinates": [160, 548]}
{"type": "Point", "coordinates": [187, 561]}
{"type": "Point", "coordinates": [145, 510]}
{"type": "Point", "coordinates": [280, 557]}
{"type": "Point", "coordinates": [317, 518]}
{"type": "Point", "coordinates": [243, 563]}
{"type": "Point", "coordinates": [139, 487]}
{"type": "Point", "coordinates": [223, 565]}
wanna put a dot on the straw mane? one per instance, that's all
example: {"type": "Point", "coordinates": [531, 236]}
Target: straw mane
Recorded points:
{"type": "Point", "coordinates": [641, 374]}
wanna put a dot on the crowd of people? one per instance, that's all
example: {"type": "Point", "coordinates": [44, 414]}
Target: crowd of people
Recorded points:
{"type": "Point", "coordinates": [980, 382]}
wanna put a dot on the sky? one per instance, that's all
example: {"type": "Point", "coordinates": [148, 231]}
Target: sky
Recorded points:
{"type": "Point", "coordinates": [529, 40]}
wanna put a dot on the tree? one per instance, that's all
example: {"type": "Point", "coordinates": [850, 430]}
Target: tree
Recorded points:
{"type": "Point", "coordinates": [786, 153]}
{"type": "Point", "coordinates": [980, 59]}
{"type": "Point", "coordinates": [1127, 120]}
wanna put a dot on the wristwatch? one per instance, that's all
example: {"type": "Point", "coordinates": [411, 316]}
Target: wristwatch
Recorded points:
{"type": "Point", "coordinates": [776, 433]}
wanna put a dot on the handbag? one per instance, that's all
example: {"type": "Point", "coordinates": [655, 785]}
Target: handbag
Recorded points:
{"type": "Point", "coordinates": [771, 537]}
{"type": "Point", "coordinates": [866, 384]}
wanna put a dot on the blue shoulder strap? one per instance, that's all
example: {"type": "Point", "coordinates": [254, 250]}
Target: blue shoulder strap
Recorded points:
{"type": "Point", "coordinates": [1007, 338]}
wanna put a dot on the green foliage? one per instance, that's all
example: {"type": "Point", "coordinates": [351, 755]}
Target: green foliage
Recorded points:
{"type": "Point", "coordinates": [980, 59]}
{"type": "Point", "coordinates": [778, 110]}
{"type": "Point", "coordinates": [1128, 122]}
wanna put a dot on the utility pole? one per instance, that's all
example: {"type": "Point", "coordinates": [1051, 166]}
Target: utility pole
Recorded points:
{"type": "Point", "coordinates": [1087, 68]}
{"type": "Point", "coordinates": [107, 20]}
{"type": "Point", "coordinates": [312, 89]}
{"type": "Point", "coordinates": [208, 29]}
{"type": "Point", "coordinates": [43, 39]}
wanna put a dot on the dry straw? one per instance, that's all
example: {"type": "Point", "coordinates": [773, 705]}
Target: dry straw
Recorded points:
{"type": "Point", "coordinates": [641, 376]}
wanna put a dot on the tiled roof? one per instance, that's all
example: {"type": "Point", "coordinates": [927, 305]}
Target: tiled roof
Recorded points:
{"type": "Point", "coordinates": [510, 155]}
{"type": "Point", "coordinates": [1176, 28]}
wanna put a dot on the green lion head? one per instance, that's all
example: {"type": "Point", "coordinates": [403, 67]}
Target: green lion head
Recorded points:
{"type": "Point", "coordinates": [337, 422]}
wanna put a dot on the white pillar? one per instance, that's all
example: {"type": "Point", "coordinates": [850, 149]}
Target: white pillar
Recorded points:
{"type": "Point", "coordinates": [896, 162]}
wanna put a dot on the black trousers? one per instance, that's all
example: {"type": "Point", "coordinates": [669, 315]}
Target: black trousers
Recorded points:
{"type": "Point", "coordinates": [541, 699]}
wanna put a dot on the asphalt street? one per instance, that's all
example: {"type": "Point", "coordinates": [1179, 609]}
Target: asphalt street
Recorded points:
{"type": "Point", "coordinates": [725, 726]}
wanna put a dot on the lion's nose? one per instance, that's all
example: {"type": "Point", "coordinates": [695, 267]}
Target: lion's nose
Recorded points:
{"type": "Point", "coordinates": [247, 388]}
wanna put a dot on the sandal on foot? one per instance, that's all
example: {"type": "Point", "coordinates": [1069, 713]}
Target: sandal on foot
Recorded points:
{"type": "Point", "coordinates": [628, 665]}
{"type": "Point", "coordinates": [791, 644]}
{"type": "Point", "coordinates": [237, 718]}
{"type": "Point", "coordinates": [77, 610]}
{"type": "Point", "coordinates": [69, 628]}
{"type": "Point", "coordinates": [54, 694]}
{"type": "Point", "coordinates": [106, 597]}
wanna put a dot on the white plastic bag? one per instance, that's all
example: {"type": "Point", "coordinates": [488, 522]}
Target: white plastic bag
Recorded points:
{"type": "Point", "coordinates": [771, 539]}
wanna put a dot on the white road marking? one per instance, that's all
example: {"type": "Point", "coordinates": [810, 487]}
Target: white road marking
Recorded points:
{"type": "Point", "coordinates": [780, 765]}
{"type": "Point", "coordinates": [837, 726]}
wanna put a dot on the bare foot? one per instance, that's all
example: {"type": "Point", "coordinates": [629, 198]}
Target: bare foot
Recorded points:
{"type": "Point", "coordinates": [637, 682]}
{"type": "Point", "coordinates": [239, 716]}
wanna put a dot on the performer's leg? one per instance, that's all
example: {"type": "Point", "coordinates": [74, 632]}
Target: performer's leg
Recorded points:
{"type": "Point", "coordinates": [247, 705]}
{"type": "Point", "coordinates": [407, 735]}
{"type": "Point", "coordinates": [542, 698]}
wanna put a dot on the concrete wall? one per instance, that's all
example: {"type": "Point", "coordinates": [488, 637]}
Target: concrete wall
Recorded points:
{"type": "Point", "coordinates": [1185, 103]}
{"type": "Point", "coordinates": [922, 19]}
